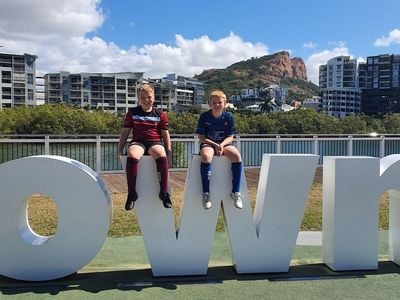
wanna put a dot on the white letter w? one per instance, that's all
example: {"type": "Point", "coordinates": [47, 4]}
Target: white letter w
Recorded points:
{"type": "Point", "coordinates": [260, 243]}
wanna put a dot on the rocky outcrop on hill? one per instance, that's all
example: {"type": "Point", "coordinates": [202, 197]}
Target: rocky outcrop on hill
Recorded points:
{"type": "Point", "coordinates": [280, 65]}
{"type": "Point", "coordinates": [277, 68]}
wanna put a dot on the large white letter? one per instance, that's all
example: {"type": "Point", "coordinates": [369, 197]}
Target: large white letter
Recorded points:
{"type": "Point", "coordinates": [185, 251]}
{"type": "Point", "coordinates": [84, 212]}
{"type": "Point", "coordinates": [351, 190]}
{"type": "Point", "coordinates": [390, 174]}
{"type": "Point", "coordinates": [261, 245]}
{"type": "Point", "coordinates": [352, 186]}
{"type": "Point", "coordinates": [266, 243]}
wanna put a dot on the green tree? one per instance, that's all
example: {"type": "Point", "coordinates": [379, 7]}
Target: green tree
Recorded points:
{"type": "Point", "coordinates": [57, 119]}
{"type": "Point", "coordinates": [353, 125]}
{"type": "Point", "coordinates": [262, 124]}
{"type": "Point", "coordinates": [305, 121]}
{"type": "Point", "coordinates": [180, 123]}
{"type": "Point", "coordinates": [373, 124]}
{"type": "Point", "coordinates": [391, 123]}
{"type": "Point", "coordinates": [242, 125]}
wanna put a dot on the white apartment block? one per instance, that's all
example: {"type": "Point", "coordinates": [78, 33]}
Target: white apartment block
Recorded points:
{"type": "Point", "coordinates": [117, 92]}
{"type": "Point", "coordinates": [178, 93]}
{"type": "Point", "coordinates": [338, 87]}
{"type": "Point", "coordinates": [17, 80]}
{"type": "Point", "coordinates": [114, 92]}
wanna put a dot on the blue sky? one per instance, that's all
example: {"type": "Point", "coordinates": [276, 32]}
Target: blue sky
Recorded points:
{"type": "Point", "coordinates": [186, 37]}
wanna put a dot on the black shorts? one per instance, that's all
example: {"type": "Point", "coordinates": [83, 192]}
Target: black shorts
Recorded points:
{"type": "Point", "coordinates": [211, 146]}
{"type": "Point", "coordinates": [146, 145]}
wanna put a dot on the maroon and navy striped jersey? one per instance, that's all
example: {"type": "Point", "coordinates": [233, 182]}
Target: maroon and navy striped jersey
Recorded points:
{"type": "Point", "coordinates": [146, 126]}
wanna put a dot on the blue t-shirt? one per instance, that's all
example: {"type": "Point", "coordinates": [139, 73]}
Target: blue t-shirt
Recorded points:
{"type": "Point", "coordinates": [216, 129]}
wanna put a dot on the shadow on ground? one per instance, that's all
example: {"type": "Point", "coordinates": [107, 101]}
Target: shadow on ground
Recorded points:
{"type": "Point", "coordinates": [138, 280]}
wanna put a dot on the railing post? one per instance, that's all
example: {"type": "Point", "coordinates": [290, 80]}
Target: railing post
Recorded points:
{"type": "Point", "coordinates": [98, 153]}
{"type": "Point", "coordinates": [350, 146]}
{"type": "Point", "coordinates": [238, 145]}
{"type": "Point", "coordinates": [315, 137]}
{"type": "Point", "coordinates": [278, 144]}
{"type": "Point", "coordinates": [382, 146]}
{"type": "Point", "coordinates": [46, 145]}
{"type": "Point", "coordinates": [196, 144]}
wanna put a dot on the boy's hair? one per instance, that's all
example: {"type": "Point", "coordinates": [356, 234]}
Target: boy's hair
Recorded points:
{"type": "Point", "coordinates": [218, 93]}
{"type": "Point", "coordinates": [147, 88]}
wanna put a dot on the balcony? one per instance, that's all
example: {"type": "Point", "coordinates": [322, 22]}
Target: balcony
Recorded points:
{"type": "Point", "coordinates": [19, 77]}
{"type": "Point", "coordinates": [95, 81]}
{"type": "Point", "coordinates": [54, 86]}
{"type": "Point", "coordinates": [5, 59]}
{"type": "Point", "coordinates": [75, 87]}
{"type": "Point", "coordinates": [19, 69]}
{"type": "Point", "coordinates": [109, 89]}
{"type": "Point", "coordinates": [75, 95]}
{"type": "Point", "coordinates": [54, 79]}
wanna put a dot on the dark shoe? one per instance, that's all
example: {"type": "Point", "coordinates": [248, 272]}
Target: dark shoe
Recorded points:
{"type": "Point", "coordinates": [166, 199]}
{"type": "Point", "coordinates": [130, 201]}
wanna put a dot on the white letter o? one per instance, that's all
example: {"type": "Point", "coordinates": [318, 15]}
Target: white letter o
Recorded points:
{"type": "Point", "coordinates": [84, 214]}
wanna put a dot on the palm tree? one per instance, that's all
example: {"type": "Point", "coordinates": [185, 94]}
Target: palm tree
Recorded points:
{"type": "Point", "coordinates": [268, 105]}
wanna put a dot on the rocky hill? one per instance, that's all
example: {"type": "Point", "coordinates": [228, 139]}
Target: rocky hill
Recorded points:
{"type": "Point", "coordinates": [277, 68]}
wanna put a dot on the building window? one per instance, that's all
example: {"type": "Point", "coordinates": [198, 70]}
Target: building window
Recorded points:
{"type": "Point", "coordinates": [30, 95]}
{"type": "Point", "coordinates": [30, 79]}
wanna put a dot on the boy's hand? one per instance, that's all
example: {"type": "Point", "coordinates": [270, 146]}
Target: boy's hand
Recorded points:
{"type": "Point", "coordinates": [119, 156]}
{"type": "Point", "coordinates": [219, 150]}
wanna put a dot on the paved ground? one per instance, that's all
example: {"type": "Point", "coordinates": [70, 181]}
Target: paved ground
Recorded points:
{"type": "Point", "coordinates": [309, 238]}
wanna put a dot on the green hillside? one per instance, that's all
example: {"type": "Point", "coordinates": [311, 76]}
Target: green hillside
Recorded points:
{"type": "Point", "coordinates": [261, 72]}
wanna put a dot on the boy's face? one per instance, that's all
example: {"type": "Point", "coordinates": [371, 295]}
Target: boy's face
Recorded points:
{"type": "Point", "coordinates": [217, 104]}
{"type": "Point", "coordinates": [146, 99]}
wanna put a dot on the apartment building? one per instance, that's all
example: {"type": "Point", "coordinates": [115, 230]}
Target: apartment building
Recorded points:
{"type": "Point", "coordinates": [114, 92]}
{"type": "Point", "coordinates": [338, 86]}
{"type": "Point", "coordinates": [117, 92]}
{"type": "Point", "coordinates": [379, 83]}
{"type": "Point", "coordinates": [178, 93]}
{"type": "Point", "coordinates": [17, 80]}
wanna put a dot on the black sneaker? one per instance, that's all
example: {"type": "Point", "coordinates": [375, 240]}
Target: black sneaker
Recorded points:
{"type": "Point", "coordinates": [130, 201]}
{"type": "Point", "coordinates": [166, 199]}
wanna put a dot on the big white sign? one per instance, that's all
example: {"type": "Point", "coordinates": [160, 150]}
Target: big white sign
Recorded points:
{"type": "Point", "coordinates": [262, 241]}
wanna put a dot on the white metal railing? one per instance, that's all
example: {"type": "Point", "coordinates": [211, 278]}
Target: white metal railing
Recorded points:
{"type": "Point", "coordinates": [100, 152]}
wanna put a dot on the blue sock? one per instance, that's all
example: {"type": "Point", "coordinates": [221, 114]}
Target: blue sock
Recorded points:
{"type": "Point", "coordinates": [205, 171]}
{"type": "Point", "coordinates": [236, 168]}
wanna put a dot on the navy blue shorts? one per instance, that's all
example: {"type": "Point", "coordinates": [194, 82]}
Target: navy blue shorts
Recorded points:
{"type": "Point", "coordinates": [211, 146]}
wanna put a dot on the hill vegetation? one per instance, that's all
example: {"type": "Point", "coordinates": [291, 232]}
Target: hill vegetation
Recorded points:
{"type": "Point", "coordinates": [260, 72]}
